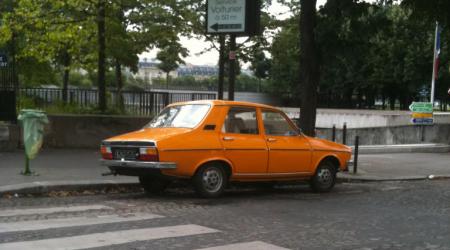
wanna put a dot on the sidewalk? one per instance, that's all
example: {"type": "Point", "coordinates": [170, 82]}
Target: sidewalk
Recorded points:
{"type": "Point", "coordinates": [399, 166]}
{"type": "Point", "coordinates": [64, 169]}
{"type": "Point", "coordinates": [58, 169]}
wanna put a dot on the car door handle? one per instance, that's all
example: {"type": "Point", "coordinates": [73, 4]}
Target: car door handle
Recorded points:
{"type": "Point", "coordinates": [271, 139]}
{"type": "Point", "coordinates": [226, 138]}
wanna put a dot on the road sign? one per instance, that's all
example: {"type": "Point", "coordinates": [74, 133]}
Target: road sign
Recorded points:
{"type": "Point", "coordinates": [233, 17]}
{"type": "Point", "coordinates": [3, 60]}
{"type": "Point", "coordinates": [226, 16]}
{"type": "Point", "coordinates": [421, 107]}
{"type": "Point", "coordinates": [422, 115]}
{"type": "Point", "coordinates": [422, 121]}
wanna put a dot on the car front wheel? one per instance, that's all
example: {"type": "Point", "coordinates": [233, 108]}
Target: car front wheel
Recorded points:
{"type": "Point", "coordinates": [210, 181]}
{"type": "Point", "coordinates": [324, 178]}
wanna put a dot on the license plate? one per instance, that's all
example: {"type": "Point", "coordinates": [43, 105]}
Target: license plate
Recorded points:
{"type": "Point", "coordinates": [127, 154]}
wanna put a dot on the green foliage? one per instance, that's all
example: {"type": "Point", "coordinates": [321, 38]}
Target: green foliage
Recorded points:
{"type": "Point", "coordinates": [369, 51]}
{"type": "Point", "coordinates": [59, 107]}
{"type": "Point", "coordinates": [284, 75]}
{"type": "Point", "coordinates": [79, 79]}
{"type": "Point", "coordinates": [35, 73]}
{"type": "Point", "coordinates": [170, 57]}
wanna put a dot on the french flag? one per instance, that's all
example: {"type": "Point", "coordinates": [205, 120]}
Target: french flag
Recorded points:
{"type": "Point", "coordinates": [437, 51]}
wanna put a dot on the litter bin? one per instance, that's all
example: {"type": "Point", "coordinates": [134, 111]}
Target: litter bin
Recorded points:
{"type": "Point", "coordinates": [32, 122]}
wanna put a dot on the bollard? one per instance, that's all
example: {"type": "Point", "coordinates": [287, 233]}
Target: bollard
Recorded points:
{"type": "Point", "coordinates": [355, 157]}
{"type": "Point", "coordinates": [344, 134]}
{"type": "Point", "coordinates": [333, 134]}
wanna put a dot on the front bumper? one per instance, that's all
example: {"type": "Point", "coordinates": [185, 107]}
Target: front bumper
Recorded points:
{"type": "Point", "coordinates": [137, 168]}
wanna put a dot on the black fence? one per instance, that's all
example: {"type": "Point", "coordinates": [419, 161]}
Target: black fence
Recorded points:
{"type": "Point", "coordinates": [134, 102]}
{"type": "Point", "coordinates": [7, 92]}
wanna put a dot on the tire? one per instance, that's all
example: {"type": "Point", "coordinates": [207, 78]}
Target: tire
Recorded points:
{"type": "Point", "coordinates": [153, 185]}
{"type": "Point", "coordinates": [324, 178]}
{"type": "Point", "coordinates": [210, 181]}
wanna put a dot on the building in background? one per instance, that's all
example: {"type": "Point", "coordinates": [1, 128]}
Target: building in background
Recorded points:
{"type": "Point", "coordinates": [198, 72]}
{"type": "Point", "coordinates": [148, 70]}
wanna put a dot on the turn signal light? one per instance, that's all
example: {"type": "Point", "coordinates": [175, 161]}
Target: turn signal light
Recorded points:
{"type": "Point", "coordinates": [106, 153]}
{"type": "Point", "coordinates": [148, 154]}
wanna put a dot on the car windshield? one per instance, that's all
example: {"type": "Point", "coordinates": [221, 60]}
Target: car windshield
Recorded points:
{"type": "Point", "coordinates": [181, 116]}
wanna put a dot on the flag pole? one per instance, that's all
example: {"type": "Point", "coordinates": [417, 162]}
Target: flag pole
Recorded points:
{"type": "Point", "coordinates": [433, 77]}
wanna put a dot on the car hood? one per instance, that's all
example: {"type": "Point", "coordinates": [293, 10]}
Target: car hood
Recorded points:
{"type": "Point", "coordinates": [321, 144]}
{"type": "Point", "coordinates": [149, 134]}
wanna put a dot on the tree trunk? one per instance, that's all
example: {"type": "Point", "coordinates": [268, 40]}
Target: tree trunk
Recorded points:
{"type": "Point", "coordinates": [66, 64]}
{"type": "Point", "coordinates": [259, 84]}
{"type": "Point", "coordinates": [167, 79]}
{"type": "Point", "coordinates": [309, 67]}
{"type": "Point", "coordinates": [101, 55]}
{"type": "Point", "coordinates": [392, 102]}
{"type": "Point", "coordinates": [119, 82]}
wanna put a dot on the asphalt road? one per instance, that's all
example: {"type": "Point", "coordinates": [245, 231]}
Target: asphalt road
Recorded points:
{"type": "Point", "coordinates": [384, 215]}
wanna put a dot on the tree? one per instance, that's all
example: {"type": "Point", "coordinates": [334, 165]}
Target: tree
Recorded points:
{"type": "Point", "coordinates": [260, 65]}
{"type": "Point", "coordinates": [284, 77]}
{"type": "Point", "coordinates": [309, 67]}
{"type": "Point", "coordinates": [170, 59]}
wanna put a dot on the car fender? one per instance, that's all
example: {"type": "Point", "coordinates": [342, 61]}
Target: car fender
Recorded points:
{"type": "Point", "coordinates": [319, 158]}
{"type": "Point", "coordinates": [204, 161]}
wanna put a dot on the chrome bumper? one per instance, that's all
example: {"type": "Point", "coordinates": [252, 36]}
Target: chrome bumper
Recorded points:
{"type": "Point", "coordinates": [139, 164]}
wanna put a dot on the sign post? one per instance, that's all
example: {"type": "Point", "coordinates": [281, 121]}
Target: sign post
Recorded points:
{"type": "Point", "coordinates": [235, 18]}
{"type": "Point", "coordinates": [422, 113]}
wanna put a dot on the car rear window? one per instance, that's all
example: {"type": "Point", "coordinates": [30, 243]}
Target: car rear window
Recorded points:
{"type": "Point", "coordinates": [180, 116]}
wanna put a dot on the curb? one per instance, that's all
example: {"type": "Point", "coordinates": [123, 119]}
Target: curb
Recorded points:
{"type": "Point", "coordinates": [359, 179]}
{"type": "Point", "coordinates": [38, 188]}
{"type": "Point", "coordinates": [43, 187]}
{"type": "Point", "coordinates": [403, 148]}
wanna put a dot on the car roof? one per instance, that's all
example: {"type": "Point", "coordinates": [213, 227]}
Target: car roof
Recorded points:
{"type": "Point", "coordinates": [225, 103]}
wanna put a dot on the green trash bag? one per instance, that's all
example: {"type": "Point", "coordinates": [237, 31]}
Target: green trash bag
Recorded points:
{"type": "Point", "coordinates": [33, 122]}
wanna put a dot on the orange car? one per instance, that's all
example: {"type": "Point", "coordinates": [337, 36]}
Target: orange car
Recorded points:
{"type": "Point", "coordinates": [215, 142]}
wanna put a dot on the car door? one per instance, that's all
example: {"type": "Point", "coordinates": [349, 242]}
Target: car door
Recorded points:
{"type": "Point", "coordinates": [289, 151]}
{"type": "Point", "coordinates": [243, 143]}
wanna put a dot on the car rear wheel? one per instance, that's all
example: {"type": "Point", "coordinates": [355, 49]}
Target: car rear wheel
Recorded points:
{"type": "Point", "coordinates": [210, 180]}
{"type": "Point", "coordinates": [324, 178]}
{"type": "Point", "coordinates": [153, 185]}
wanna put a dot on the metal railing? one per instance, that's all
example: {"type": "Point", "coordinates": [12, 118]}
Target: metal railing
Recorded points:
{"type": "Point", "coordinates": [134, 102]}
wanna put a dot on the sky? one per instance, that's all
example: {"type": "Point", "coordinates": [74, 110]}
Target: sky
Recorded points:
{"type": "Point", "coordinates": [196, 46]}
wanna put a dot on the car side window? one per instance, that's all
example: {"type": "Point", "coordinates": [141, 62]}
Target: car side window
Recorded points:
{"type": "Point", "coordinates": [241, 120]}
{"type": "Point", "coordinates": [276, 124]}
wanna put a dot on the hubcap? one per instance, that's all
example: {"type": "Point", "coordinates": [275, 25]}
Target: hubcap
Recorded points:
{"type": "Point", "coordinates": [212, 179]}
{"type": "Point", "coordinates": [325, 177]}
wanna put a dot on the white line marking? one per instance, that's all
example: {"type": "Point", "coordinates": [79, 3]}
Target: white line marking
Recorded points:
{"type": "Point", "coordinates": [71, 222]}
{"type": "Point", "coordinates": [29, 211]}
{"type": "Point", "coordinates": [254, 245]}
{"type": "Point", "coordinates": [109, 238]}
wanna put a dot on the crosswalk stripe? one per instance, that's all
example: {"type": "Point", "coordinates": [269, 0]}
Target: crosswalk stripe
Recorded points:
{"type": "Point", "coordinates": [254, 245]}
{"type": "Point", "coordinates": [109, 238]}
{"type": "Point", "coordinates": [71, 222]}
{"type": "Point", "coordinates": [29, 211]}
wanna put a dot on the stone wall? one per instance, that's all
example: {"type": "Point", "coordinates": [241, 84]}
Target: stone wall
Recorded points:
{"type": "Point", "coordinates": [407, 134]}
{"type": "Point", "coordinates": [326, 118]}
{"type": "Point", "coordinates": [87, 131]}
{"type": "Point", "coordinates": [74, 131]}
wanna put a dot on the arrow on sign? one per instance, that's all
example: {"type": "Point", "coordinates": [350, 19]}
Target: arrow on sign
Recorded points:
{"type": "Point", "coordinates": [422, 121]}
{"type": "Point", "coordinates": [231, 26]}
{"type": "Point", "coordinates": [421, 107]}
